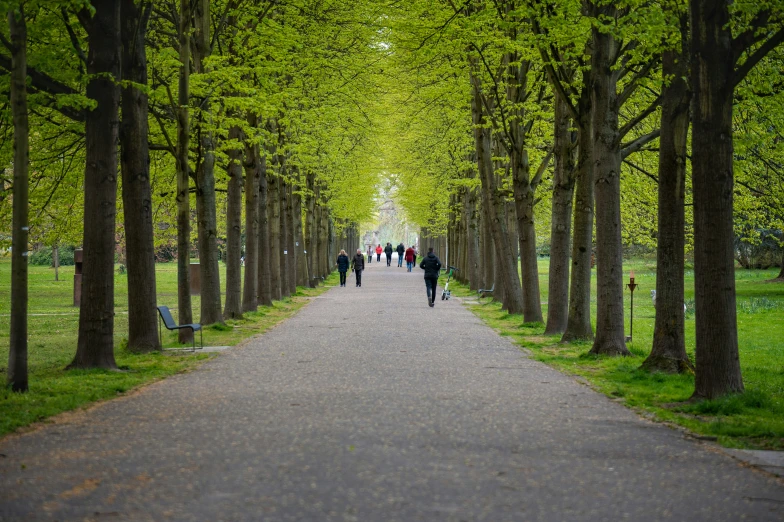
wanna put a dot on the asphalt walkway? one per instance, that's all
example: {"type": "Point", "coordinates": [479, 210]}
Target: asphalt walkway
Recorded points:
{"type": "Point", "coordinates": [369, 405]}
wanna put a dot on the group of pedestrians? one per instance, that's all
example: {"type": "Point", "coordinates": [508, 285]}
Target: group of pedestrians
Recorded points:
{"type": "Point", "coordinates": [430, 264]}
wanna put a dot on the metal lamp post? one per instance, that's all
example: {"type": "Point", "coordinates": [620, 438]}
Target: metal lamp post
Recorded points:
{"type": "Point", "coordinates": [631, 286]}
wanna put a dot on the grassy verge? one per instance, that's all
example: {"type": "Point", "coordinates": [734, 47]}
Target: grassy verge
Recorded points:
{"type": "Point", "coordinates": [53, 326]}
{"type": "Point", "coordinates": [752, 420]}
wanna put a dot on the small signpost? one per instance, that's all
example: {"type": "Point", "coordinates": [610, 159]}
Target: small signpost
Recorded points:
{"type": "Point", "coordinates": [78, 261]}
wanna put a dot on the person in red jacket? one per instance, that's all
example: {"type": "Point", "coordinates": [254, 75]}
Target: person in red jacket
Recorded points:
{"type": "Point", "coordinates": [379, 250]}
{"type": "Point", "coordinates": [410, 258]}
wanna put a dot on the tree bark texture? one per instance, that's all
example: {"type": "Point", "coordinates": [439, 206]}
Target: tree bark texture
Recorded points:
{"type": "Point", "coordinates": [290, 236]}
{"type": "Point", "coordinates": [136, 192]}
{"type": "Point", "coordinates": [610, 336]}
{"type": "Point", "coordinates": [712, 76]}
{"type": "Point", "coordinates": [578, 324]}
{"type": "Point", "coordinates": [669, 347]}
{"type": "Point", "coordinates": [283, 191]}
{"type": "Point", "coordinates": [95, 347]}
{"type": "Point", "coordinates": [184, 305]}
{"type": "Point", "coordinates": [494, 202]}
{"type": "Point", "coordinates": [310, 231]}
{"type": "Point", "coordinates": [250, 286]}
{"type": "Point", "coordinates": [265, 254]}
{"type": "Point", "coordinates": [275, 251]}
{"type": "Point", "coordinates": [233, 305]}
{"type": "Point", "coordinates": [299, 240]}
{"type": "Point", "coordinates": [565, 141]}
{"type": "Point", "coordinates": [17, 355]}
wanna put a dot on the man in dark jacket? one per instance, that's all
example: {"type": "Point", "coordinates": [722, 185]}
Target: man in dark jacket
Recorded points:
{"type": "Point", "coordinates": [400, 251]}
{"type": "Point", "coordinates": [388, 251]}
{"type": "Point", "coordinates": [357, 266]}
{"type": "Point", "coordinates": [432, 266]}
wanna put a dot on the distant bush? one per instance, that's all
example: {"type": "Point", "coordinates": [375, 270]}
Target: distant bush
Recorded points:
{"type": "Point", "coordinates": [43, 256]}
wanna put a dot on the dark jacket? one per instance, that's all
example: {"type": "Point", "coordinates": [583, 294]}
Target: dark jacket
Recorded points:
{"type": "Point", "coordinates": [342, 263]}
{"type": "Point", "coordinates": [400, 249]}
{"type": "Point", "coordinates": [431, 265]}
{"type": "Point", "coordinates": [358, 263]}
{"type": "Point", "coordinates": [388, 250]}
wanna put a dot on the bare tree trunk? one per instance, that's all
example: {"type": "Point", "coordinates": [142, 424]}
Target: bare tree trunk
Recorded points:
{"type": "Point", "coordinates": [136, 192]}
{"type": "Point", "coordinates": [299, 242]}
{"type": "Point", "coordinates": [285, 287]}
{"type": "Point", "coordinates": [185, 308]}
{"type": "Point", "coordinates": [712, 76]}
{"type": "Point", "coordinates": [17, 354]}
{"type": "Point", "coordinates": [250, 287]}
{"type": "Point", "coordinates": [56, 261]}
{"type": "Point", "coordinates": [472, 252]}
{"type": "Point", "coordinates": [610, 336]}
{"type": "Point", "coordinates": [290, 235]}
{"type": "Point", "coordinates": [578, 325]}
{"type": "Point", "coordinates": [275, 252]}
{"type": "Point", "coordinates": [233, 307]}
{"type": "Point", "coordinates": [310, 223]}
{"type": "Point", "coordinates": [95, 347]}
{"type": "Point", "coordinates": [560, 230]}
{"type": "Point", "coordinates": [493, 202]}
{"type": "Point", "coordinates": [265, 244]}
{"type": "Point", "coordinates": [206, 211]}
{"type": "Point", "coordinates": [669, 347]}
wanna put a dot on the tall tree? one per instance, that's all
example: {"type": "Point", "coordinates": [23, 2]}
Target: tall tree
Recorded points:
{"type": "Point", "coordinates": [184, 305]}
{"type": "Point", "coordinates": [17, 355]}
{"type": "Point", "coordinates": [669, 345]}
{"type": "Point", "coordinates": [136, 193]}
{"type": "Point", "coordinates": [715, 72]}
{"type": "Point", "coordinates": [95, 347]}
{"type": "Point", "coordinates": [206, 209]}
{"type": "Point", "coordinates": [233, 308]}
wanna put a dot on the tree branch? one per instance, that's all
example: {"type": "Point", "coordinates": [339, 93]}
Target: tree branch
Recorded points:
{"type": "Point", "coordinates": [757, 55]}
{"type": "Point", "coordinates": [629, 125]}
{"type": "Point", "coordinates": [639, 143]}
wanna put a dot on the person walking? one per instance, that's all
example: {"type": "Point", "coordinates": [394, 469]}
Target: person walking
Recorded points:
{"type": "Point", "coordinates": [431, 265]}
{"type": "Point", "coordinates": [378, 252]}
{"type": "Point", "coordinates": [342, 264]}
{"type": "Point", "coordinates": [370, 254]}
{"type": "Point", "coordinates": [388, 251]}
{"type": "Point", "coordinates": [401, 250]}
{"type": "Point", "coordinates": [410, 258]}
{"type": "Point", "coordinates": [358, 265]}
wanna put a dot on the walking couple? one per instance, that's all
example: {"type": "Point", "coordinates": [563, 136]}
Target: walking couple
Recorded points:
{"type": "Point", "coordinates": [357, 266]}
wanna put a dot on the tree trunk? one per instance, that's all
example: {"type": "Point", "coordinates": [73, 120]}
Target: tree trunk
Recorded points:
{"type": "Point", "coordinates": [56, 261]}
{"type": "Point", "coordinates": [310, 219]}
{"type": "Point", "coordinates": [250, 288]}
{"type": "Point", "coordinates": [233, 307]}
{"type": "Point", "coordinates": [493, 201]}
{"type": "Point", "coordinates": [610, 337]}
{"type": "Point", "coordinates": [136, 192]}
{"type": "Point", "coordinates": [560, 230]}
{"type": "Point", "coordinates": [303, 274]}
{"type": "Point", "coordinates": [17, 354]}
{"type": "Point", "coordinates": [524, 210]}
{"type": "Point", "coordinates": [265, 247]}
{"type": "Point", "coordinates": [185, 308]}
{"type": "Point", "coordinates": [290, 238]}
{"type": "Point", "coordinates": [669, 347]}
{"type": "Point", "coordinates": [578, 325]}
{"type": "Point", "coordinates": [95, 347]}
{"type": "Point", "coordinates": [472, 251]}
{"type": "Point", "coordinates": [712, 76]}
{"type": "Point", "coordinates": [275, 251]}
{"type": "Point", "coordinates": [206, 212]}
{"type": "Point", "coordinates": [283, 196]}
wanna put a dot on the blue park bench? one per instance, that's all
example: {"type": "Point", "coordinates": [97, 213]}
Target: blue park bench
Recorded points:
{"type": "Point", "coordinates": [168, 321]}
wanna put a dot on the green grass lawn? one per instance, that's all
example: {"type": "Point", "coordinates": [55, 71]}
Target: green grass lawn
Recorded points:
{"type": "Point", "coordinates": [53, 325]}
{"type": "Point", "coordinates": [754, 419]}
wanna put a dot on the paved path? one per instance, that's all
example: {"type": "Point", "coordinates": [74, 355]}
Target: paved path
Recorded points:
{"type": "Point", "coordinates": [369, 405]}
